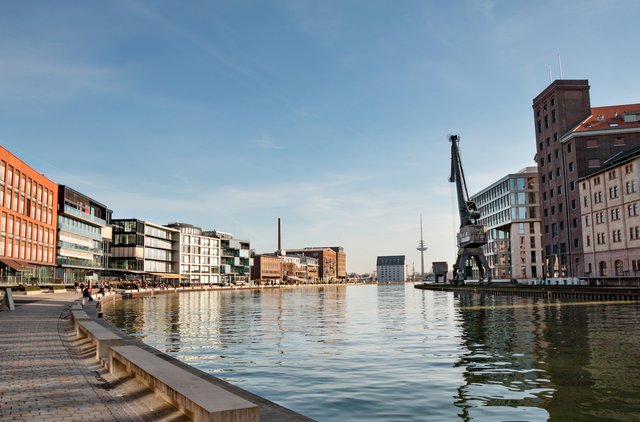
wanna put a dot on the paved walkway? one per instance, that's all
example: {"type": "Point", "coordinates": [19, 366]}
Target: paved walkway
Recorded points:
{"type": "Point", "coordinates": [48, 374]}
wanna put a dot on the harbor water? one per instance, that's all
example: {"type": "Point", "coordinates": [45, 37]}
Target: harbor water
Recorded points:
{"type": "Point", "coordinates": [395, 353]}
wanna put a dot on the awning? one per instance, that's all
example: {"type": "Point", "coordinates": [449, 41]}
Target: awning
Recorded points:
{"type": "Point", "coordinates": [16, 265]}
{"type": "Point", "coordinates": [167, 275]}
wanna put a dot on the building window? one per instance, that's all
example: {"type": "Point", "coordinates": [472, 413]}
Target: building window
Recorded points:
{"type": "Point", "coordinates": [599, 217]}
{"type": "Point", "coordinates": [592, 143]}
{"type": "Point", "coordinates": [613, 192]}
{"type": "Point", "coordinates": [553, 116]}
{"type": "Point", "coordinates": [573, 204]}
{"type": "Point", "coordinates": [576, 244]}
{"type": "Point", "coordinates": [619, 141]}
{"type": "Point", "coordinates": [588, 240]}
{"type": "Point", "coordinates": [572, 185]}
{"type": "Point", "coordinates": [540, 146]}
{"type": "Point", "coordinates": [628, 168]}
{"type": "Point", "coordinates": [569, 147]}
{"type": "Point", "coordinates": [587, 221]}
{"type": "Point", "coordinates": [571, 166]}
{"type": "Point", "coordinates": [619, 267]}
{"type": "Point", "coordinates": [634, 233]}
{"type": "Point", "coordinates": [597, 197]}
{"type": "Point", "coordinates": [633, 210]}
{"type": "Point", "coordinates": [542, 162]}
{"type": "Point", "coordinates": [612, 175]}
{"type": "Point", "coordinates": [617, 236]}
{"type": "Point", "coordinates": [539, 126]}
{"type": "Point", "coordinates": [615, 214]}
{"type": "Point", "coordinates": [631, 186]}
{"type": "Point", "coordinates": [574, 223]}
{"type": "Point", "coordinates": [555, 137]}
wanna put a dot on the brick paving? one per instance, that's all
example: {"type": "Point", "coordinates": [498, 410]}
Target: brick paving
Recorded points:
{"type": "Point", "coordinates": [48, 374]}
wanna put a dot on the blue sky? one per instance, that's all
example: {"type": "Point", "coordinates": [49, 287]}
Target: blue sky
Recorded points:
{"type": "Point", "coordinates": [332, 115]}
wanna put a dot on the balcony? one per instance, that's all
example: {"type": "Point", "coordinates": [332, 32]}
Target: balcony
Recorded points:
{"type": "Point", "coordinates": [84, 216]}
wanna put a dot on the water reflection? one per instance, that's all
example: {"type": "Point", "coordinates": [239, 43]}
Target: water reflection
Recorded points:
{"type": "Point", "coordinates": [392, 352]}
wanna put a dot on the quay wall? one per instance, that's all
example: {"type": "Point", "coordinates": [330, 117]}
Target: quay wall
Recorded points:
{"type": "Point", "coordinates": [550, 292]}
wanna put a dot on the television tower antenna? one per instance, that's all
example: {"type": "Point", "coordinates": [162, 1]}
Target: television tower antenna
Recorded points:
{"type": "Point", "coordinates": [421, 247]}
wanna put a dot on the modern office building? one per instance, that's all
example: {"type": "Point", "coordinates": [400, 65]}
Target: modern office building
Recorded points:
{"type": "Point", "coordinates": [390, 269]}
{"type": "Point", "coordinates": [573, 140]}
{"type": "Point", "coordinates": [235, 258]}
{"type": "Point", "coordinates": [510, 210]}
{"type": "Point", "coordinates": [199, 255]}
{"type": "Point", "coordinates": [143, 248]}
{"type": "Point", "coordinates": [610, 199]}
{"type": "Point", "coordinates": [84, 237]}
{"type": "Point", "coordinates": [27, 224]}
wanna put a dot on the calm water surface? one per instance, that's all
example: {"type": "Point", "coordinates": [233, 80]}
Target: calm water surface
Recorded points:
{"type": "Point", "coordinates": [395, 353]}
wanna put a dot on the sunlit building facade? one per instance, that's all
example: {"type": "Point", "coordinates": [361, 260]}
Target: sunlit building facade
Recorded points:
{"type": "Point", "coordinates": [28, 222]}
{"type": "Point", "coordinates": [510, 210]}
{"type": "Point", "coordinates": [199, 255]}
{"type": "Point", "coordinates": [141, 247]}
{"type": "Point", "coordinates": [84, 237]}
{"type": "Point", "coordinates": [611, 217]}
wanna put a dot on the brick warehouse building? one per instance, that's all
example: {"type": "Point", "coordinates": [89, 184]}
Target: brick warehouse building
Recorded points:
{"type": "Point", "coordinates": [28, 206]}
{"type": "Point", "coordinates": [573, 140]}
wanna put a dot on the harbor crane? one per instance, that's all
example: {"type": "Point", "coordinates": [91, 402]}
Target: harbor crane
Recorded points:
{"type": "Point", "coordinates": [472, 235]}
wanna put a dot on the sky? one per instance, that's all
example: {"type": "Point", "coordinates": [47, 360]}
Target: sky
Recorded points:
{"type": "Point", "coordinates": [331, 115]}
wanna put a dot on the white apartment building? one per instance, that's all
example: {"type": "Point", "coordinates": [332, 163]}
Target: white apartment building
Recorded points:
{"type": "Point", "coordinates": [199, 255]}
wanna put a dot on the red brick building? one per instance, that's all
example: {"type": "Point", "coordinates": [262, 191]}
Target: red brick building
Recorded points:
{"type": "Point", "coordinates": [573, 140]}
{"type": "Point", "coordinates": [266, 267]}
{"type": "Point", "coordinates": [28, 216]}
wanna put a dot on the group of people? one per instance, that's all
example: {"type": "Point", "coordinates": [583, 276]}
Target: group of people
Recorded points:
{"type": "Point", "coordinates": [88, 289]}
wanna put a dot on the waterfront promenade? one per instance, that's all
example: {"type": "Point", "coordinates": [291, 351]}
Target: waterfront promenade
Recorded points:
{"type": "Point", "coordinates": [47, 373]}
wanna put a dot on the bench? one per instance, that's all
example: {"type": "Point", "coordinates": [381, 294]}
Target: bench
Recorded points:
{"type": "Point", "coordinates": [197, 398]}
{"type": "Point", "coordinates": [101, 336]}
{"type": "Point", "coordinates": [76, 316]}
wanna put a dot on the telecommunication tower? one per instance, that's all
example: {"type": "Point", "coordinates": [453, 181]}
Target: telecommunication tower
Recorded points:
{"type": "Point", "coordinates": [421, 247]}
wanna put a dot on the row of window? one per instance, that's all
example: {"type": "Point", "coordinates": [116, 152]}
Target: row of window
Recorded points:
{"type": "Point", "coordinates": [200, 240]}
{"type": "Point", "coordinates": [21, 229]}
{"type": "Point", "coordinates": [24, 185]}
{"type": "Point", "coordinates": [26, 206]}
{"type": "Point", "coordinates": [194, 259]}
{"type": "Point", "coordinates": [616, 236]}
{"type": "Point", "coordinates": [25, 249]}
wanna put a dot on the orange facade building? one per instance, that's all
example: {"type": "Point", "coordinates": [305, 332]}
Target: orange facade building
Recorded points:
{"type": "Point", "coordinates": [28, 216]}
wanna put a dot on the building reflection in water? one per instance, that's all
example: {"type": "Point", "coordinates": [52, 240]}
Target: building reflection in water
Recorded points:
{"type": "Point", "coordinates": [550, 360]}
{"type": "Point", "coordinates": [392, 352]}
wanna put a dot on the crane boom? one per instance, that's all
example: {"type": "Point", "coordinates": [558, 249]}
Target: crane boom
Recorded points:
{"type": "Point", "coordinates": [472, 235]}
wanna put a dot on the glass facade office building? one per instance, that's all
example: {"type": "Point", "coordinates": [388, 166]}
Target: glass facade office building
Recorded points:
{"type": "Point", "coordinates": [510, 211]}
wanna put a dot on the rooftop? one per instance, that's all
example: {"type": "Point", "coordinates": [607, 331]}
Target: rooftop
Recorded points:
{"type": "Point", "coordinates": [611, 118]}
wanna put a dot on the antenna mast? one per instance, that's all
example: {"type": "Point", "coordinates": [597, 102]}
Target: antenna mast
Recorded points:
{"type": "Point", "coordinates": [421, 247]}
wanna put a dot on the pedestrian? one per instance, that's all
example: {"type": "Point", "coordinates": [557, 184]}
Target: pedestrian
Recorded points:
{"type": "Point", "coordinates": [87, 293]}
